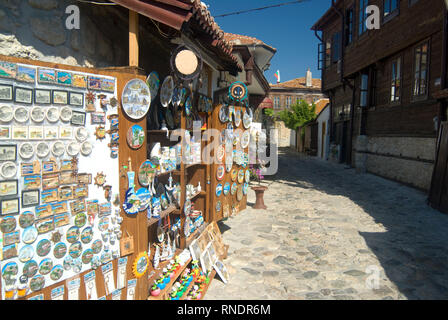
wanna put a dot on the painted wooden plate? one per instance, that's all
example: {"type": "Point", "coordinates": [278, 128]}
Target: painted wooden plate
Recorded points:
{"type": "Point", "coordinates": [37, 114]}
{"type": "Point", "coordinates": [21, 114]}
{"type": "Point", "coordinates": [166, 91]}
{"type": "Point", "coordinates": [241, 176]}
{"type": "Point", "coordinates": [86, 148]}
{"type": "Point", "coordinates": [220, 171]}
{"type": "Point", "coordinates": [26, 150]}
{"type": "Point", "coordinates": [8, 170]}
{"type": "Point", "coordinates": [245, 139]}
{"type": "Point", "coordinates": [234, 174]}
{"type": "Point", "coordinates": [218, 190]}
{"type": "Point", "coordinates": [42, 149]}
{"type": "Point", "coordinates": [6, 113]}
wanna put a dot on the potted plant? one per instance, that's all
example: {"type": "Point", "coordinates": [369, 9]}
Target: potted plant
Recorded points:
{"type": "Point", "coordinates": [256, 174]}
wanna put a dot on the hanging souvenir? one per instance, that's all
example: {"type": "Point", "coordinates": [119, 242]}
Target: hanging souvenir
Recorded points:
{"type": "Point", "coordinates": [245, 139]}
{"type": "Point", "coordinates": [233, 188]}
{"type": "Point", "coordinates": [126, 245]}
{"type": "Point", "coordinates": [220, 171]}
{"type": "Point", "coordinates": [226, 188]}
{"type": "Point", "coordinates": [223, 114]}
{"type": "Point", "coordinates": [8, 224]}
{"type": "Point", "coordinates": [136, 99]}
{"type": "Point", "coordinates": [37, 283]}
{"type": "Point", "coordinates": [164, 202]}
{"type": "Point", "coordinates": [188, 106]}
{"type": "Point", "coordinates": [153, 82]}
{"type": "Point", "coordinates": [220, 152]}
{"type": "Point", "coordinates": [237, 118]}
{"type": "Point", "coordinates": [30, 268]}
{"type": "Point", "coordinates": [100, 179]}
{"type": "Point", "coordinates": [56, 236]}
{"type": "Point", "coordinates": [8, 170]}
{"type": "Point", "coordinates": [247, 118]}
{"type": "Point", "coordinates": [247, 176]}
{"type": "Point", "coordinates": [87, 256]}
{"type": "Point", "coordinates": [67, 263]}
{"type": "Point", "coordinates": [73, 149]}
{"type": "Point", "coordinates": [234, 174]}
{"type": "Point", "coordinates": [59, 250]}
{"type": "Point", "coordinates": [176, 97]}
{"type": "Point", "coordinates": [6, 113]}
{"type": "Point", "coordinates": [81, 134]}
{"type": "Point", "coordinates": [145, 198]}
{"type": "Point", "coordinates": [100, 132]}
{"type": "Point", "coordinates": [146, 173]}
{"type": "Point", "coordinates": [56, 273]}
{"type": "Point", "coordinates": [26, 219]}
{"type": "Point", "coordinates": [66, 114]}
{"type": "Point", "coordinates": [72, 234]}
{"type": "Point", "coordinates": [58, 149]}
{"type": "Point", "coordinates": [90, 102]}
{"type": "Point", "coordinates": [238, 91]}
{"type": "Point", "coordinates": [239, 193]}
{"type": "Point", "coordinates": [26, 253]}
{"type": "Point", "coordinates": [186, 63]}
{"type": "Point", "coordinates": [75, 250]}
{"type": "Point", "coordinates": [86, 148]}
{"type": "Point", "coordinates": [187, 207]}
{"type": "Point", "coordinates": [135, 137]}
{"type": "Point", "coordinates": [218, 190]}
{"type": "Point", "coordinates": [43, 247]}
{"type": "Point", "coordinates": [166, 91]}
{"type": "Point", "coordinates": [245, 188]}
{"type": "Point", "coordinates": [240, 176]}
{"type": "Point", "coordinates": [10, 271]}
{"type": "Point", "coordinates": [26, 150]}
{"type": "Point", "coordinates": [29, 235]}
{"type": "Point", "coordinates": [140, 264]}
{"type": "Point", "coordinates": [21, 114]}
{"type": "Point", "coordinates": [218, 206]}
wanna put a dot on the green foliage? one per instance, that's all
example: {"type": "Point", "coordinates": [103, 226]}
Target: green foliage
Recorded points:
{"type": "Point", "coordinates": [269, 112]}
{"type": "Point", "coordinates": [299, 114]}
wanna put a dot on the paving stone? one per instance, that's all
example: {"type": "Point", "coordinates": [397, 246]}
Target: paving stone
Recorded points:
{"type": "Point", "coordinates": [317, 251]}
{"type": "Point", "coordinates": [283, 260]}
{"type": "Point", "coordinates": [251, 271]}
{"type": "Point", "coordinates": [270, 273]}
{"type": "Point", "coordinates": [310, 274]}
{"type": "Point", "coordinates": [355, 273]}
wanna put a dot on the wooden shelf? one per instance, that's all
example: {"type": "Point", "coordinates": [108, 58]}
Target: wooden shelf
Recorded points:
{"type": "Point", "coordinates": [193, 165]}
{"type": "Point", "coordinates": [173, 172]}
{"type": "Point", "coordinates": [168, 287]}
{"type": "Point", "coordinates": [187, 291]}
{"type": "Point", "coordinates": [201, 193]}
{"type": "Point", "coordinates": [163, 214]}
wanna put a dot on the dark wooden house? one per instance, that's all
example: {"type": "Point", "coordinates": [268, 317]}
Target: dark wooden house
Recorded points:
{"type": "Point", "coordinates": [384, 85]}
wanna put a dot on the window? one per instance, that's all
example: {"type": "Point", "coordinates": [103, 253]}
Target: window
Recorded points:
{"type": "Point", "coordinates": [364, 90]}
{"type": "Point", "coordinates": [349, 26]}
{"type": "Point", "coordinates": [391, 8]}
{"type": "Point", "coordinates": [276, 102]}
{"type": "Point", "coordinates": [411, 2]}
{"type": "Point", "coordinates": [395, 91]}
{"type": "Point", "coordinates": [336, 43]}
{"type": "Point", "coordinates": [421, 70]}
{"type": "Point", "coordinates": [362, 14]}
{"type": "Point", "coordinates": [288, 101]}
{"type": "Point", "coordinates": [328, 54]}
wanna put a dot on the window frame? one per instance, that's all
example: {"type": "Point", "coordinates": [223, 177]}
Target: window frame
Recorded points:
{"type": "Point", "coordinates": [336, 47]}
{"type": "Point", "coordinates": [420, 96]}
{"type": "Point", "coordinates": [363, 15]}
{"type": "Point", "coordinates": [393, 13]}
{"type": "Point", "coordinates": [349, 25]}
{"type": "Point", "coordinates": [393, 81]}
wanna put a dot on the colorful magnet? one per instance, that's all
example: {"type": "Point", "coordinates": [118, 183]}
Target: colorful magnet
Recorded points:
{"type": "Point", "coordinates": [26, 219]}
{"type": "Point", "coordinates": [37, 283]}
{"type": "Point", "coordinates": [57, 272]}
{"type": "Point", "coordinates": [72, 234]}
{"type": "Point", "coordinates": [226, 189]}
{"type": "Point", "coordinates": [220, 171]}
{"type": "Point", "coordinates": [140, 264]}
{"type": "Point", "coordinates": [218, 190]}
{"type": "Point", "coordinates": [8, 224]}
{"type": "Point", "coordinates": [75, 250]}
{"type": "Point", "coordinates": [26, 253]}
{"type": "Point", "coordinates": [29, 235]}
{"type": "Point", "coordinates": [80, 220]}
{"type": "Point", "coordinates": [59, 250]}
{"type": "Point", "coordinates": [233, 188]}
{"type": "Point", "coordinates": [135, 137]}
{"type": "Point", "coordinates": [245, 188]}
{"type": "Point", "coordinates": [241, 176]}
{"type": "Point", "coordinates": [238, 91]}
{"type": "Point", "coordinates": [45, 266]}
{"type": "Point", "coordinates": [43, 247]}
{"type": "Point", "coordinates": [100, 132]}
{"type": "Point", "coordinates": [97, 246]}
{"type": "Point", "coordinates": [218, 206]}
{"type": "Point", "coordinates": [87, 256]}
{"type": "Point", "coordinates": [100, 179]}
{"type": "Point", "coordinates": [30, 269]}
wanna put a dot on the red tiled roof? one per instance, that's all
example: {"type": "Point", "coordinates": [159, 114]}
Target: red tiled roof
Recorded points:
{"type": "Point", "coordinates": [321, 104]}
{"type": "Point", "coordinates": [238, 39]}
{"type": "Point", "coordinates": [299, 83]}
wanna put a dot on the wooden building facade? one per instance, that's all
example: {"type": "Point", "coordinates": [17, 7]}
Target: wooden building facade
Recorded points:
{"type": "Point", "coordinates": [383, 84]}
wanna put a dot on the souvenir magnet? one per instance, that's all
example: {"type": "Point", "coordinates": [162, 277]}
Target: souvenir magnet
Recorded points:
{"type": "Point", "coordinates": [218, 189]}
{"type": "Point", "coordinates": [100, 132]}
{"type": "Point", "coordinates": [43, 247]}
{"type": "Point", "coordinates": [135, 137]}
{"type": "Point", "coordinates": [220, 171]}
{"type": "Point", "coordinates": [140, 264]}
{"type": "Point", "coordinates": [45, 266]}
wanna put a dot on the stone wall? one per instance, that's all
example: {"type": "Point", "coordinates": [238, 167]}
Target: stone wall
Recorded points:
{"type": "Point", "coordinates": [405, 159]}
{"type": "Point", "coordinates": [35, 29]}
{"type": "Point", "coordinates": [283, 134]}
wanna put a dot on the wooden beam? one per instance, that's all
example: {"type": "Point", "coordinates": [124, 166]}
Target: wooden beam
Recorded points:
{"type": "Point", "coordinates": [133, 38]}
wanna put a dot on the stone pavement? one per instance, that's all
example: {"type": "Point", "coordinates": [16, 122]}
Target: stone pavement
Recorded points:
{"type": "Point", "coordinates": [329, 233]}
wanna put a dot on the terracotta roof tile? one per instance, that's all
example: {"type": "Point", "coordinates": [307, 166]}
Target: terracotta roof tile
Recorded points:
{"type": "Point", "coordinates": [320, 105]}
{"type": "Point", "coordinates": [238, 39]}
{"type": "Point", "coordinates": [299, 83]}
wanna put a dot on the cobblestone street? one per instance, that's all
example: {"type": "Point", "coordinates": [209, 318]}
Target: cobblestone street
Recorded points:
{"type": "Point", "coordinates": [327, 232]}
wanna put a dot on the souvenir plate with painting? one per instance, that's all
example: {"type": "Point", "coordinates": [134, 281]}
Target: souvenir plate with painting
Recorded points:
{"type": "Point", "coordinates": [26, 253]}
{"type": "Point", "coordinates": [21, 114]}
{"type": "Point", "coordinates": [153, 82]}
{"type": "Point", "coordinates": [136, 99]}
{"type": "Point", "coordinates": [6, 113]}
{"type": "Point", "coordinates": [52, 114]}
{"type": "Point", "coordinates": [8, 170]}
{"type": "Point", "coordinates": [166, 91]}
{"type": "Point", "coordinates": [135, 137]}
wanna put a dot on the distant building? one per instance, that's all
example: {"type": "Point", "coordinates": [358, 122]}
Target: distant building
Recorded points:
{"type": "Point", "coordinates": [285, 94]}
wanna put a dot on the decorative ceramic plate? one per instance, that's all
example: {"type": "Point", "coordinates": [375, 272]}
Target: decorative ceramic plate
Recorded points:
{"type": "Point", "coordinates": [233, 188]}
{"type": "Point", "coordinates": [68, 261]}
{"type": "Point", "coordinates": [60, 249]}
{"type": "Point", "coordinates": [56, 273]}
{"type": "Point", "coordinates": [80, 220]}
{"type": "Point", "coordinates": [241, 176]}
{"type": "Point", "coordinates": [220, 171]}
{"type": "Point", "coordinates": [136, 99]}
{"type": "Point", "coordinates": [81, 134]}
{"type": "Point", "coordinates": [245, 188]}
{"type": "Point", "coordinates": [146, 173]}
{"type": "Point", "coordinates": [153, 82]}
{"type": "Point", "coordinates": [245, 139]}
{"type": "Point", "coordinates": [218, 190]}
{"type": "Point", "coordinates": [234, 174]}
{"type": "Point", "coordinates": [220, 152]}
{"type": "Point", "coordinates": [43, 247]}
{"type": "Point", "coordinates": [8, 224]}
{"type": "Point", "coordinates": [26, 150]}
{"type": "Point", "coordinates": [237, 118]}
{"type": "Point", "coordinates": [66, 114]}
{"type": "Point", "coordinates": [21, 114]}
{"type": "Point", "coordinates": [75, 250]}
{"type": "Point", "coordinates": [72, 234]}
{"type": "Point", "coordinates": [135, 137]}
{"type": "Point", "coordinates": [87, 256]}
{"type": "Point", "coordinates": [218, 206]}
{"type": "Point", "coordinates": [52, 114]}
{"type": "Point", "coordinates": [86, 235]}
{"type": "Point", "coordinates": [30, 268]}
{"type": "Point", "coordinates": [97, 246]}
{"type": "Point", "coordinates": [247, 176]}
{"type": "Point", "coordinates": [188, 106]}
{"type": "Point", "coordinates": [45, 266]}
{"type": "Point", "coordinates": [8, 170]}
{"type": "Point", "coordinates": [176, 97]}
{"type": "Point", "coordinates": [226, 189]}
{"type": "Point", "coordinates": [73, 148]}
{"type": "Point", "coordinates": [58, 149]}
{"type": "Point", "coordinates": [37, 283]}
{"type": "Point", "coordinates": [86, 148]}
{"type": "Point", "coordinates": [247, 118]}
{"type": "Point", "coordinates": [26, 219]}
{"type": "Point", "coordinates": [223, 114]}
{"type": "Point", "coordinates": [10, 270]}
{"type": "Point", "coordinates": [166, 91]}
{"type": "Point", "coordinates": [37, 114]}
{"type": "Point", "coordinates": [239, 193]}
{"type": "Point", "coordinates": [42, 149]}
{"type": "Point", "coordinates": [26, 253]}
{"type": "Point", "coordinates": [6, 113]}
{"type": "Point", "coordinates": [29, 235]}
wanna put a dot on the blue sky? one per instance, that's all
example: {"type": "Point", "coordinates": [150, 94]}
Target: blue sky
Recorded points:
{"type": "Point", "coordinates": [287, 28]}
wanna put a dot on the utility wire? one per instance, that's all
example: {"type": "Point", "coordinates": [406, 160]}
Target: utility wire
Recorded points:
{"type": "Point", "coordinates": [259, 9]}
{"type": "Point", "coordinates": [98, 3]}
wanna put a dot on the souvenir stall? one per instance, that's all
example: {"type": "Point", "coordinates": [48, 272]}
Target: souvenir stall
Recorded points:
{"type": "Point", "coordinates": [230, 183]}
{"type": "Point", "coordinates": [95, 206]}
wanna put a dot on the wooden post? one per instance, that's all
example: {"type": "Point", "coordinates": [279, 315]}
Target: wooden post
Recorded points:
{"type": "Point", "coordinates": [133, 39]}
